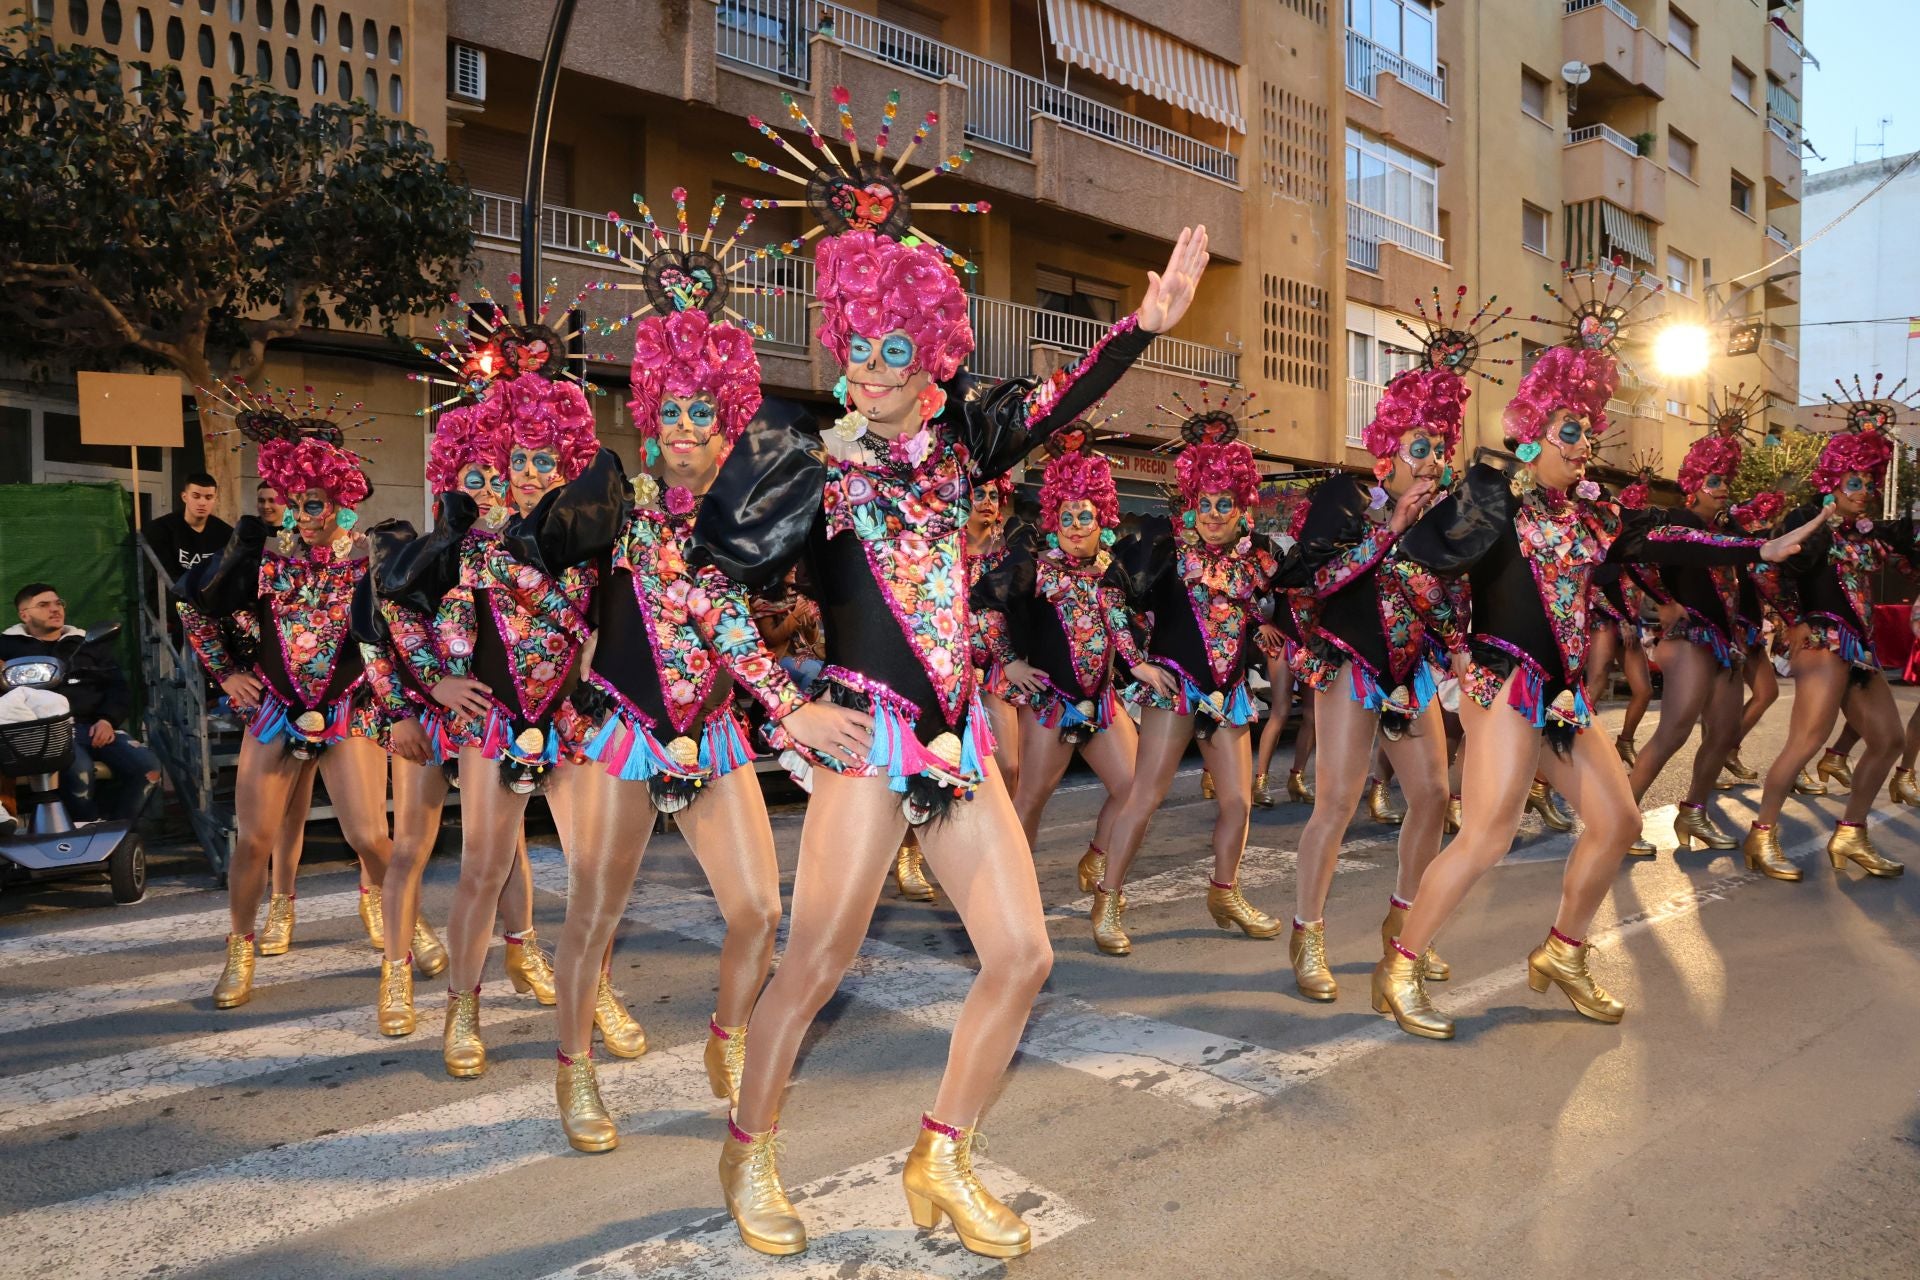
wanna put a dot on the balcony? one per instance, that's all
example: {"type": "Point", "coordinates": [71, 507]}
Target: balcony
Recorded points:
{"type": "Point", "coordinates": [1396, 100]}
{"type": "Point", "coordinates": [1625, 57]}
{"type": "Point", "coordinates": [1363, 398]}
{"type": "Point", "coordinates": [1601, 163]}
{"type": "Point", "coordinates": [1783, 169]}
{"type": "Point", "coordinates": [1785, 49]}
{"type": "Point", "coordinates": [1390, 260]}
{"type": "Point", "coordinates": [1783, 287]}
{"type": "Point", "coordinates": [1367, 62]}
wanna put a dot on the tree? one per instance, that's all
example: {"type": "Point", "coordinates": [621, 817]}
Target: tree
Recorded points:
{"type": "Point", "coordinates": [131, 229]}
{"type": "Point", "coordinates": [1784, 467]}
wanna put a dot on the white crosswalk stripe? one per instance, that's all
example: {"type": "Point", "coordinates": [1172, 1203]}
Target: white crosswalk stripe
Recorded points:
{"type": "Point", "coordinates": [1260, 867]}
{"type": "Point", "coordinates": [204, 927]}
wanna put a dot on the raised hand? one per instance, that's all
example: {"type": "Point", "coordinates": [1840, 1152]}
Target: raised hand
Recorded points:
{"type": "Point", "coordinates": [1170, 293]}
{"type": "Point", "coordinates": [1774, 550]}
{"type": "Point", "coordinates": [1155, 677]}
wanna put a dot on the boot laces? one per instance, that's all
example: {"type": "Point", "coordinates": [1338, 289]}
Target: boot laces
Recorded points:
{"type": "Point", "coordinates": [394, 990]}
{"type": "Point", "coordinates": [1315, 943]}
{"type": "Point", "coordinates": [763, 1166]}
{"type": "Point", "coordinates": [583, 1088]}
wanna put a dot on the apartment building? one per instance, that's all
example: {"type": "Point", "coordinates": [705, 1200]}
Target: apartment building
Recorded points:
{"type": "Point", "coordinates": [1863, 282]}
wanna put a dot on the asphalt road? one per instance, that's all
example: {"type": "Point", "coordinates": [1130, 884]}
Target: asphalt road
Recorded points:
{"type": "Point", "coordinates": [1180, 1112]}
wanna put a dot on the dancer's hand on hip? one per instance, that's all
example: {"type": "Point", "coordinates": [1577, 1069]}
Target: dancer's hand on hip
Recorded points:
{"type": "Point", "coordinates": [829, 729]}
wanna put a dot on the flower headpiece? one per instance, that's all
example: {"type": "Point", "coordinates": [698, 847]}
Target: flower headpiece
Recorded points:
{"type": "Point", "coordinates": [1718, 452]}
{"type": "Point", "coordinates": [1636, 496]}
{"type": "Point", "coordinates": [686, 354]}
{"type": "Point", "coordinates": [535, 412]}
{"type": "Point", "coordinates": [870, 286]}
{"type": "Point", "coordinates": [291, 467]}
{"type": "Point", "coordinates": [482, 346]}
{"type": "Point", "coordinates": [1866, 442]}
{"type": "Point", "coordinates": [1575, 378]}
{"type": "Point", "coordinates": [463, 436]}
{"type": "Point", "coordinates": [1434, 395]}
{"type": "Point", "coordinates": [1078, 475]}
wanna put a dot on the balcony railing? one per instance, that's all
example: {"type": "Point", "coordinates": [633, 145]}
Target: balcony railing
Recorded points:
{"type": "Point", "coordinates": [1784, 131]}
{"type": "Point", "coordinates": [1368, 229]}
{"type": "Point", "coordinates": [1366, 60]}
{"type": "Point", "coordinates": [1793, 43]}
{"type": "Point", "coordinates": [1006, 334]}
{"type": "Point", "coordinates": [1587, 133]}
{"type": "Point", "coordinates": [1779, 237]}
{"type": "Point", "coordinates": [1362, 399]}
{"type": "Point", "coordinates": [774, 36]}
{"type": "Point", "coordinates": [1618, 10]}
{"type": "Point", "coordinates": [1782, 103]}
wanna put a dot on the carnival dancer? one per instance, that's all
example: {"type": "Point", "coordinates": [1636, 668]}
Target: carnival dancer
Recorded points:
{"type": "Point", "coordinates": [1528, 543]}
{"type": "Point", "coordinates": [1380, 629]}
{"type": "Point", "coordinates": [305, 690]}
{"type": "Point", "coordinates": [1616, 601]}
{"type": "Point", "coordinates": [1825, 598]}
{"type": "Point", "coordinates": [1207, 587]}
{"type": "Point", "coordinates": [1057, 626]}
{"type": "Point", "coordinates": [1281, 502]}
{"type": "Point", "coordinates": [879, 514]}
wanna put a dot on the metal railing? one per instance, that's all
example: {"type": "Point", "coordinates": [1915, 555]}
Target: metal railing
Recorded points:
{"type": "Point", "coordinates": [568, 230]}
{"type": "Point", "coordinates": [1618, 10]}
{"type": "Point", "coordinates": [175, 723]}
{"type": "Point", "coordinates": [1783, 130]}
{"type": "Point", "coordinates": [1007, 334]}
{"type": "Point", "coordinates": [1368, 229]}
{"type": "Point", "coordinates": [1793, 43]}
{"type": "Point", "coordinates": [1363, 398]}
{"type": "Point", "coordinates": [1779, 237]}
{"type": "Point", "coordinates": [1607, 133]}
{"type": "Point", "coordinates": [1366, 60]}
{"type": "Point", "coordinates": [774, 36]}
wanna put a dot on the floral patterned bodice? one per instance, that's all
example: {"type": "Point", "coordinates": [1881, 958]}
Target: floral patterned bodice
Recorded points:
{"type": "Point", "coordinates": [1092, 614]}
{"type": "Point", "coordinates": [1562, 540]}
{"type": "Point", "coordinates": [302, 606]}
{"type": "Point", "coordinates": [1224, 586]}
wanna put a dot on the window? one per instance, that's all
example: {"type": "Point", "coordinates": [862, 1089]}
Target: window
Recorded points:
{"type": "Point", "coordinates": [263, 14]}
{"type": "Point", "coordinates": [1536, 225]}
{"type": "Point", "coordinates": [1742, 196]}
{"type": "Point", "coordinates": [1403, 27]}
{"type": "Point", "coordinates": [345, 81]}
{"type": "Point", "coordinates": [1680, 273]}
{"type": "Point", "coordinates": [319, 75]}
{"type": "Point", "coordinates": [236, 53]}
{"type": "Point", "coordinates": [143, 31]}
{"type": "Point", "coordinates": [1683, 35]}
{"type": "Point", "coordinates": [1376, 353]}
{"type": "Point", "coordinates": [370, 39]}
{"type": "Point", "coordinates": [1399, 184]}
{"type": "Point", "coordinates": [290, 17]}
{"type": "Point", "coordinates": [346, 32]}
{"type": "Point", "coordinates": [206, 96]}
{"type": "Point", "coordinates": [176, 39]}
{"type": "Point", "coordinates": [318, 29]}
{"type": "Point", "coordinates": [291, 73]}
{"type": "Point", "coordinates": [1533, 94]}
{"type": "Point", "coordinates": [204, 46]}
{"type": "Point", "coordinates": [1676, 409]}
{"type": "Point", "coordinates": [1072, 295]}
{"type": "Point", "coordinates": [370, 89]}
{"type": "Point", "coordinates": [77, 16]}
{"type": "Point", "coordinates": [394, 46]}
{"type": "Point", "coordinates": [263, 61]}
{"type": "Point", "coordinates": [396, 96]}
{"type": "Point", "coordinates": [110, 21]}
{"type": "Point", "coordinates": [1680, 153]}
{"type": "Point", "coordinates": [1742, 84]}
{"type": "Point", "coordinates": [236, 9]}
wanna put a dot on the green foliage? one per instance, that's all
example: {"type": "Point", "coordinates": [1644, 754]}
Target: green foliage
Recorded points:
{"type": "Point", "coordinates": [132, 227]}
{"type": "Point", "coordinates": [1780, 468]}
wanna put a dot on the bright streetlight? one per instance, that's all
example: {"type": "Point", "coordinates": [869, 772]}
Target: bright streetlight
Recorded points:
{"type": "Point", "coordinates": [1681, 350]}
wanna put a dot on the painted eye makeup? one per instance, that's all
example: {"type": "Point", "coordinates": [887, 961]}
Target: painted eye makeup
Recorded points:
{"type": "Point", "coordinates": [897, 352]}
{"type": "Point", "coordinates": [542, 463]}
{"type": "Point", "coordinates": [314, 508]}
{"type": "Point", "coordinates": [1714, 483]}
{"type": "Point", "coordinates": [669, 414]}
{"type": "Point", "coordinates": [1856, 484]}
{"type": "Point", "coordinates": [859, 349]}
{"type": "Point", "coordinates": [474, 480]}
{"type": "Point", "coordinates": [1219, 506]}
{"type": "Point", "coordinates": [1571, 432]}
{"type": "Point", "coordinates": [1419, 449]}
{"type": "Point", "coordinates": [701, 414]}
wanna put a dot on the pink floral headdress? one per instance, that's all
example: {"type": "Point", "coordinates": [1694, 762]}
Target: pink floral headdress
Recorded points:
{"type": "Point", "coordinates": [870, 286]}
{"type": "Point", "coordinates": [1729, 415]}
{"type": "Point", "coordinates": [1866, 445]}
{"type": "Point", "coordinates": [686, 354]}
{"type": "Point", "coordinates": [1562, 378]}
{"type": "Point", "coordinates": [537, 412]}
{"type": "Point", "coordinates": [1434, 394]}
{"type": "Point", "coordinates": [462, 437]}
{"type": "Point", "coordinates": [292, 467]}
{"type": "Point", "coordinates": [1078, 476]}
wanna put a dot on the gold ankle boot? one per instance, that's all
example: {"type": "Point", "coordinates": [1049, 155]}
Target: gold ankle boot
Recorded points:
{"type": "Point", "coordinates": [1380, 805]}
{"type": "Point", "coordinates": [726, 1058]}
{"type": "Point", "coordinates": [940, 1182]}
{"type": "Point", "coordinates": [1452, 823]}
{"type": "Point", "coordinates": [1836, 769]}
{"type": "Point", "coordinates": [235, 987]}
{"type": "Point", "coordinates": [1540, 801]}
{"type": "Point", "coordinates": [1297, 789]}
{"type": "Point", "coordinates": [276, 936]}
{"type": "Point", "coordinates": [1762, 853]}
{"type": "Point", "coordinates": [1738, 768]}
{"type": "Point", "coordinates": [1691, 823]}
{"type": "Point", "coordinates": [1229, 907]}
{"type": "Point", "coordinates": [529, 969]}
{"type": "Point", "coordinates": [1092, 869]}
{"type": "Point", "coordinates": [1642, 848]}
{"type": "Point", "coordinates": [910, 874]}
{"type": "Point", "coordinates": [1850, 844]}
{"type": "Point", "coordinates": [1206, 784]}
{"type": "Point", "coordinates": [1434, 968]}
{"type": "Point", "coordinates": [1902, 789]}
{"type": "Point", "coordinates": [1557, 962]}
{"type": "Point", "coordinates": [396, 998]}
{"type": "Point", "coordinates": [1804, 783]}
{"type": "Point", "coordinates": [1261, 795]}
{"type": "Point", "coordinates": [461, 1048]}
{"type": "Point", "coordinates": [1400, 988]}
{"type": "Point", "coordinates": [623, 1036]}
{"type": "Point", "coordinates": [1307, 949]}
{"type": "Point", "coordinates": [429, 955]}
{"type": "Point", "coordinates": [1108, 933]}
{"type": "Point", "coordinates": [750, 1181]}
{"type": "Point", "coordinates": [1624, 746]}
{"type": "Point", "coordinates": [372, 918]}
{"type": "Point", "coordinates": [582, 1114]}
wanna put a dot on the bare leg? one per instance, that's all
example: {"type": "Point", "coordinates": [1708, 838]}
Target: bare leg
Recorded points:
{"type": "Point", "coordinates": [1280, 709]}
{"type": "Point", "coordinates": [264, 783]}
{"type": "Point", "coordinates": [1044, 760]}
{"type": "Point", "coordinates": [1819, 682]}
{"type": "Point", "coordinates": [1111, 755]}
{"type": "Point", "coordinates": [1765, 684]}
{"type": "Point", "coordinates": [1912, 749]}
{"type": "Point", "coordinates": [733, 840]}
{"type": "Point", "coordinates": [1347, 730]}
{"type": "Point", "coordinates": [1596, 782]}
{"type": "Point", "coordinates": [1633, 661]}
{"type": "Point", "coordinates": [355, 771]}
{"type": "Point", "coordinates": [1228, 753]}
{"type": "Point", "coordinates": [1875, 719]}
{"type": "Point", "coordinates": [419, 796]}
{"type": "Point", "coordinates": [1603, 650]}
{"type": "Point", "coordinates": [609, 824]}
{"type": "Point", "coordinates": [1005, 719]}
{"type": "Point", "coordinates": [516, 896]}
{"type": "Point", "coordinates": [490, 823]}
{"type": "Point", "coordinates": [1420, 762]}
{"type": "Point", "coordinates": [1689, 672]}
{"type": "Point", "coordinates": [1844, 744]}
{"type": "Point", "coordinates": [291, 841]}
{"type": "Point", "coordinates": [1719, 734]}
{"type": "Point", "coordinates": [1303, 739]}
{"type": "Point", "coordinates": [1163, 740]}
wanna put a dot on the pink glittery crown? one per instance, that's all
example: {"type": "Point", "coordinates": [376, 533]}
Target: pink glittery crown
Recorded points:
{"type": "Point", "coordinates": [1864, 451]}
{"type": "Point", "coordinates": [1078, 477]}
{"type": "Point", "coordinates": [1218, 468]}
{"type": "Point", "coordinates": [1431, 398]}
{"type": "Point", "coordinates": [1710, 455]}
{"type": "Point", "coordinates": [1562, 378]}
{"type": "Point", "coordinates": [1000, 486]}
{"type": "Point", "coordinates": [537, 412]}
{"type": "Point", "coordinates": [870, 286]}
{"type": "Point", "coordinates": [687, 354]}
{"type": "Point", "coordinates": [462, 437]}
{"type": "Point", "coordinates": [292, 467]}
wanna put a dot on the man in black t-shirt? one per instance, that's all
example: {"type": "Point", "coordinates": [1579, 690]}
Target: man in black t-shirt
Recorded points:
{"type": "Point", "coordinates": [184, 538]}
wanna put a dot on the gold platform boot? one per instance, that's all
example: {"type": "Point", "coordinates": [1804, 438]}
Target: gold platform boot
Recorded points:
{"type": "Point", "coordinates": [910, 874]}
{"type": "Point", "coordinates": [461, 1048]}
{"type": "Point", "coordinates": [1261, 795]}
{"type": "Point", "coordinates": [1108, 933]}
{"type": "Point", "coordinates": [528, 968]}
{"type": "Point", "coordinates": [1624, 746]}
{"type": "Point", "coordinates": [623, 1036]}
{"type": "Point", "coordinates": [1642, 848]}
{"type": "Point", "coordinates": [396, 998]}
{"type": "Point", "coordinates": [1380, 804]}
{"type": "Point", "coordinates": [1851, 844]}
{"type": "Point", "coordinates": [1092, 868]}
{"type": "Point", "coordinates": [1435, 969]}
{"type": "Point", "coordinates": [1805, 784]}
{"type": "Point", "coordinates": [726, 1058]}
{"type": "Point", "coordinates": [1738, 768]}
{"type": "Point", "coordinates": [372, 918]}
{"type": "Point", "coordinates": [940, 1183]}
{"type": "Point", "coordinates": [276, 936]}
{"type": "Point", "coordinates": [1206, 784]}
{"type": "Point", "coordinates": [1762, 853]}
{"type": "Point", "coordinates": [582, 1115]}
{"type": "Point", "coordinates": [1298, 790]}
{"type": "Point", "coordinates": [429, 955]}
{"type": "Point", "coordinates": [1902, 789]}
{"type": "Point", "coordinates": [750, 1181]}
{"type": "Point", "coordinates": [1452, 824]}
{"type": "Point", "coordinates": [1307, 949]}
{"type": "Point", "coordinates": [1400, 988]}
{"type": "Point", "coordinates": [1835, 769]}
{"type": "Point", "coordinates": [1561, 962]}
{"type": "Point", "coordinates": [235, 987]}
{"type": "Point", "coordinates": [1691, 823]}
{"type": "Point", "coordinates": [1228, 908]}
{"type": "Point", "coordinates": [1541, 801]}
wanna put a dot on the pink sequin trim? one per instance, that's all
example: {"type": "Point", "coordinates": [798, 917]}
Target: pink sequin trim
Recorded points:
{"type": "Point", "coordinates": [1572, 942]}
{"type": "Point", "coordinates": [719, 1032]}
{"type": "Point", "coordinates": [1403, 951]}
{"type": "Point", "coordinates": [1393, 899]}
{"type": "Point", "coordinates": [928, 1122]}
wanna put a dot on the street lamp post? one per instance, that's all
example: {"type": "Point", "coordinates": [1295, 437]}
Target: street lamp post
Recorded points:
{"type": "Point", "coordinates": [532, 205]}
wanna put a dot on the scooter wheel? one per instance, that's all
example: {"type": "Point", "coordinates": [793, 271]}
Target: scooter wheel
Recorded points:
{"type": "Point", "coordinates": [127, 870]}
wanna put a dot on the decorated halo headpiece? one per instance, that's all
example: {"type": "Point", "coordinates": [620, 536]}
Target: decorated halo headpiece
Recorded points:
{"type": "Point", "coordinates": [1864, 440]}
{"type": "Point", "coordinates": [1645, 465]}
{"type": "Point", "coordinates": [1433, 394]}
{"type": "Point", "coordinates": [1602, 317]}
{"type": "Point", "coordinates": [280, 413]}
{"type": "Point", "coordinates": [678, 273]}
{"type": "Point", "coordinates": [482, 344]}
{"type": "Point", "coordinates": [1718, 451]}
{"type": "Point", "coordinates": [1213, 457]}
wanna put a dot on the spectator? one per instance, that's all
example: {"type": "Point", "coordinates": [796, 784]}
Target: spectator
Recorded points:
{"type": "Point", "coordinates": [184, 538]}
{"type": "Point", "coordinates": [790, 624]}
{"type": "Point", "coordinates": [267, 505]}
{"type": "Point", "coordinates": [96, 691]}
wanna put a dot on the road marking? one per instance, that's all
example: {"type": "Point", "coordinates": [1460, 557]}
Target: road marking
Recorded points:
{"type": "Point", "coordinates": [163, 1224]}
{"type": "Point", "coordinates": [857, 1225]}
{"type": "Point", "coordinates": [188, 926]}
{"type": "Point", "coordinates": [1259, 867]}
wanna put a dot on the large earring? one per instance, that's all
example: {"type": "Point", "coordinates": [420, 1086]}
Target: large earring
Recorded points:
{"type": "Point", "coordinates": [653, 449]}
{"type": "Point", "coordinates": [347, 518]}
{"type": "Point", "coordinates": [1108, 537]}
{"type": "Point", "coordinates": [288, 520]}
{"type": "Point", "coordinates": [1053, 541]}
{"type": "Point", "coordinates": [840, 391]}
{"type": "Point", "coordinates": [932, 401]}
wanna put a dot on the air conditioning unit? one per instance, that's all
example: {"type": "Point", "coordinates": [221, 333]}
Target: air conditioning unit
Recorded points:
{"type": "Point", "coordinates": [468, 76]}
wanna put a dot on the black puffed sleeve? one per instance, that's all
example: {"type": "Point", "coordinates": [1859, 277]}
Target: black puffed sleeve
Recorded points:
{"type": "Point", "coordinates": [364, 615]}
{"type": "Point", "coordinates": [1465, 525]}
{"type": "Point", "coordinates": [1655, 536]}
{"type": "Point", "coordinates": [417, 573]}
{"type": "Point", "coordinates": [766, 502]}
{"type": "Point", "coordinates": [1140, 559]}
{"type": "Point", "coordinates": [229, 580]}
{"type": "Point", "coordinates": [1007, 589]}
{"type": "Point", "coordinates": [578, 523]}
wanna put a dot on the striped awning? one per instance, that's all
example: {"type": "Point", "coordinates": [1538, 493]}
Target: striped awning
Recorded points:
{"type": "Point", "coordinates": [1596, 231]}
{"type": "Point", "coordinates": [1131, 53]}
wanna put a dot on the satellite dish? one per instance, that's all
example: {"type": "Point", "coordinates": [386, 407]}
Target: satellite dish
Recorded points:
{"type": "Point", "coordinates": [1576, 73]}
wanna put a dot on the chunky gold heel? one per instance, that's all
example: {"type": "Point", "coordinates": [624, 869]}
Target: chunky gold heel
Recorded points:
{"type": "Point", "coordinates": [1434, 968]}
{"type": "Point", "coordinates": [1762, 854]}
{"type": "Point", "coordinates": [1206, 784]}
{"type": "Point", "coordinates": [623, 1036]}
{"type": "Point", "coordinates": [1804, 783]}
{"type": "Point", "coordinates": [276, 936]}
{"type": "Point", "coordinates": [726, 1058]}
{"type": "Point", "coordinates": [1836, 770]}
{"type": "Point", "coordinates": [940, 1183]}
{"type": "Point", "coordinates": [925, 1214]}
{"type": "Point", "coordinates": [1261, 795]}
{"type": "Point", "coordinates": [396, 998]}
{"type": "Point", "coordinates": [1307, 949]}
{"type": "Point", "coordinates": [1902, 789]}
{"type": "Point", "coordinates": [528, 968]}
{"type": "Point", "coordinates": [1561, 962]}
{"type": "Point", "coordinates": [1851, 844]}
{"type": "Point", "coordinates": [429, 955]}
{"type": "Point", "coordinates": [1738, 768]}
{"type": "Point", "coordinates": [750, 1182]}
{"type": "Point", "coordinates": [1229, 907]}
{"type": "Point", "coordinates": [1400, 989]}
{"type": "Point", "coordinates": [1691, 823]}
{"type": "Point", "coordinates": [1297, 789]}
{"type": "Point", "coordinates": [910, 874]}
{"type": "Point", "coordinates": [235, 986]}
{"type": "Point", "coordinates": [461, 1049]}
{"type": "Point", "coordinates": [1541, 801]}
{"type": "Point", "coordinates": [1093, 868]}
{"type": "Point", "coordinates": [1109, 934]}
{"type": "Point", "coordinates": [1380, 804]}
{"type": "Point", "coordinates": [583, 1117]}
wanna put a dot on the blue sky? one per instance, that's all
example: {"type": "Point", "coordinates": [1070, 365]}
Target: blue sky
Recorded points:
{"type": "Point", "coordinates": [1866, 73]}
